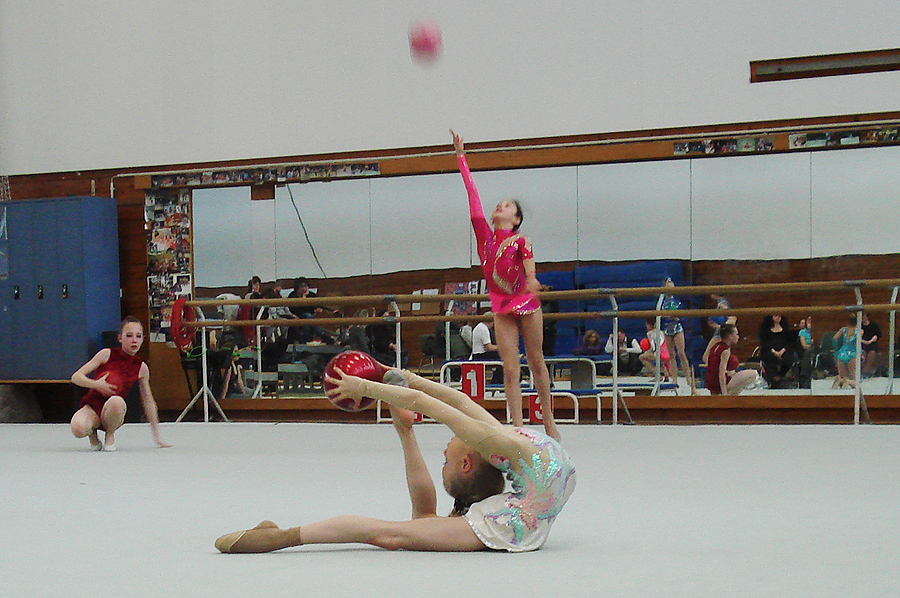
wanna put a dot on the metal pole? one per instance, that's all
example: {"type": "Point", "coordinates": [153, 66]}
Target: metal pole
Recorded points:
{"type": "Point", "coordinates": [615, 362]}
{"type": "Point", "coordinates": [890, 350]}
{"type": "Point", "coordinates": [857, 360]}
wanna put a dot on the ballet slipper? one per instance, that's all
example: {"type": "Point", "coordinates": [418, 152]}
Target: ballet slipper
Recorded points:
{"type": "Point", "coordinates": [95, 441]}
{"type": "Point", "coordinates": [257, 539]}
{"type": "Point", "coordinates": [109, 448]}
{"type": "Point", "coordinates": [227, 542]}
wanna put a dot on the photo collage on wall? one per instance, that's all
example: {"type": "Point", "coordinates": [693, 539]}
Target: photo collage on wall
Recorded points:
{"type": "Point", "coordinates": [167, 220]}
{"type": "Point", "coordinates": [844, 138]}
{"type": "Point", "coordinates": [724, 146]}
{"type": "Point", "coordinates": [269, 174]}
{"type": "Point", "coordinates": [462, 308]}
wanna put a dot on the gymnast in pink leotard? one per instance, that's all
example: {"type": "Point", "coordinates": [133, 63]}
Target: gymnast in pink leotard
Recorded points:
{"type": "Point", "coordinates": [507, 262]}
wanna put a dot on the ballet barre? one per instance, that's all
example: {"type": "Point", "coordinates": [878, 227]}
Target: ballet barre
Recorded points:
{"type": "Point", "coordinates": [854, 286]}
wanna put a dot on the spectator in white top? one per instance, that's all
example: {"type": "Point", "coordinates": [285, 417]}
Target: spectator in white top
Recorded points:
{"type": "Point", "coordinates": [483, 349]}
{"type": "Point", "coordinates": [628, 351]}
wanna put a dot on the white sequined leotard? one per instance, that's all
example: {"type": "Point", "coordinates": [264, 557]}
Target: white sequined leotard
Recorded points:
{"type": "Point", "coordinates": [520, 520]}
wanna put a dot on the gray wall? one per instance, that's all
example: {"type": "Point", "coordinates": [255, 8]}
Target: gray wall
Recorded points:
{"type": "Point", "coordinates": [88, 84]}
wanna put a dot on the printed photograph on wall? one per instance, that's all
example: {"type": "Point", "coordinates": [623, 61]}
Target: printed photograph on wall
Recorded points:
{"type": "Point", "coordinates": [167, 220]}
{"type": "Point", "coordinates": [460, 308]}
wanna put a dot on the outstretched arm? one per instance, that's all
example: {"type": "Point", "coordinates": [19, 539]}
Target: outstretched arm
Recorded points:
{"type": "Point", "coordinates": [488, 438]}
{"type": "Point", "coordinates": [476, 211]}
{"type": "Point", "coordinates": [450, 396]}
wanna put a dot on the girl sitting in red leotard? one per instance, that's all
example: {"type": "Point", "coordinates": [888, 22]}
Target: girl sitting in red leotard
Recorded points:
{"type": "Point", "coordinates": [722, 375]}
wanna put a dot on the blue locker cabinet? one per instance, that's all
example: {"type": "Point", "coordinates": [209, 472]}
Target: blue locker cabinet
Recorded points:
{"type": "Point", "coordinates": [60, 289]}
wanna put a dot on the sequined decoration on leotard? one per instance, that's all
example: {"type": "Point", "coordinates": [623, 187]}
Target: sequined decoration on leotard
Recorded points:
{"type": "Point", "coordinates": [501, 253]}
{"type": "Point", "coordinates": [671, 326]}
{"type": "Point", "coordinates": [541, 485]}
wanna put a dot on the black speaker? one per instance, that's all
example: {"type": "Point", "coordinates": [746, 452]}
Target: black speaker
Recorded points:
{"type": "Point", "coordinates": [109, 339]}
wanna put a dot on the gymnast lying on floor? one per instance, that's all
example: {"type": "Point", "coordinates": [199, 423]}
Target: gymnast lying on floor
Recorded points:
{"type": "Point", "coordinates": [484, 515]}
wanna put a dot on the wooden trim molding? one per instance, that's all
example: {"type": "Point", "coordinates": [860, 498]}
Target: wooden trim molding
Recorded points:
{"type": "Point", "coordinates": [825, 65]}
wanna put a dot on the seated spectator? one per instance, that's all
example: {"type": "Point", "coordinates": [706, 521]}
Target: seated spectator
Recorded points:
{"type": "Point", "coordinates": [628, 352]}
{"type": "Point", "coordinates": [356, 336]}
{"type": "Point", "coordinates": [590, 344]}
{"type": "Point", "coordinates": [871, 333]}
{"type": "Point", "coordinates": [722, 374]}
{"type": "Point", "coordinates": [230, 335]}
{"type": "Point", "coordinates": [226, 376]}
{"type": "Point", "coordinates": [653, 347]}
{"type": "Point", "coordinates": [302, 334]}
{"type": "Point", "coordinates": [483, 346]}
{"type": "Point", "coordinates": [309, 334]}
{"type": "Point", "coordinates": [465, 332]}
{"type": "Point", "coordinates": [384, 343]}
{"type": "Point", "coordinates": [778, 350]}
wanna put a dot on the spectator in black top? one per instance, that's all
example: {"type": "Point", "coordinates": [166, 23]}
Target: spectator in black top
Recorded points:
{"type": "Point", "coordinates": [302, 334]}
{"type": "Point", "coordinates": [778, 346]}
{"type": "Point", "coordinates": [871, 334]}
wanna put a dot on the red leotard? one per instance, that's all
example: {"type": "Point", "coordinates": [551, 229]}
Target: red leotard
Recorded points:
{"type": "Point", "coordinates": [502, 254]}
{"type": "Point", "coordinates": [713, 363]}
{"type": "Point", "coordinates": [123, 371]}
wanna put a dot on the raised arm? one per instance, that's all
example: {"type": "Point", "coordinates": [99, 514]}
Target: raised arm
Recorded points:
{"type": "Point", "coordinates": [422, 495]}
{"type": "Point", "coordinates": [476, 211]}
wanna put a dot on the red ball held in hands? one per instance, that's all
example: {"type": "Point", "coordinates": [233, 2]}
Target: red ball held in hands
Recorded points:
{"type": "Point", "coordinates": [353, 363]}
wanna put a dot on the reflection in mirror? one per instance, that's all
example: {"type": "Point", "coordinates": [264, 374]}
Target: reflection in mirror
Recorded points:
{"type": "Point", "coordinates": [721, 220]}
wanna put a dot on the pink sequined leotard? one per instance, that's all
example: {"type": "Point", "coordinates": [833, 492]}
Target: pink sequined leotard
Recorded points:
{"type": "Point", "coordinates": [502, 254]}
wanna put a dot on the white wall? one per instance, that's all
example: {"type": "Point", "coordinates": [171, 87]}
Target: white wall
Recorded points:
{"type": "Point", "coordinates": [93, 83]}
{"type": "Point", "coordinates": [779, 206]}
